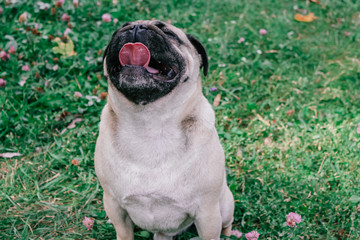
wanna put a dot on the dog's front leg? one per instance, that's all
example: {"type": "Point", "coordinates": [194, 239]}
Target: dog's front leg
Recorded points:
{"type": "Point", "coordinates": [119, 218]}
{"type": "Point", "coordinates": [208, 222]}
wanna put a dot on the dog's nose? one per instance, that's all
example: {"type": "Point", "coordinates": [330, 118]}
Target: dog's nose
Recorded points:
{"type": "Point", "coordinates": [138, 30]}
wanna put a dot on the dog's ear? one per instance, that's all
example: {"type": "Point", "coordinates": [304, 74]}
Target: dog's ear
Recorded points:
{"type": "Point", "coordinates": [201, 50]}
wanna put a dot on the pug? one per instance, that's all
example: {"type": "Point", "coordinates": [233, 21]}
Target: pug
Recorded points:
{"type": "Point", "coordinates": [158, 156]}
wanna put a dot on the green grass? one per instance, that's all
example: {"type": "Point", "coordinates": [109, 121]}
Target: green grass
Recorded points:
{"type": "Point", "coordinates": [306, 162]}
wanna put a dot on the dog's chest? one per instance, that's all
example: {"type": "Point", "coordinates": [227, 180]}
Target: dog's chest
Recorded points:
{"type": "Point", "coordinates": [157, 199]}
{"type": "Point", "coordinates": [154, 171]}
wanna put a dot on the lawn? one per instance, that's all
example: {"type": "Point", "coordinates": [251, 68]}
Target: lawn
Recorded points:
{"type": "Point", "coordinates": [288, 112]}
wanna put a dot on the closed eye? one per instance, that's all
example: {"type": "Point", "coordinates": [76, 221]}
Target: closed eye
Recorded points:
{"type": "Point", "coordinates": [125, 24]}
{"type": "Point", "coordinates": [170, 33]}
{"type": "Point", "coordinates": [159, 25]}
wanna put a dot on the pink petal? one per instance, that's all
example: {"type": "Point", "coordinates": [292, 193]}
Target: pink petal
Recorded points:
{"type": "Point", "coordinates": [106, 17]}
{"type": "Point", "coordinates": [358, 128]}
{"type": "Point", "coordinates": [2, 82]}
{"type": "Point", "coordinates": [25, 68]}
{"type": "Point", "coordinates": [65, 17]}
{"type": "Point", "coordinates": [72, 124]}
{"type": "Point", "coordinates": [77, 94]}
{"type": "Point", "coordinates": [55, 67]}
{"type": "Point", "coordinates": [67, 31]}
{"type": "Point", "coordinates": [241, 40]}
{"type": "Point", "coordinates": [263, 31]}
{"type": "Point", "coordinates": [88, 223]}
{"type": "Point", "coordinates": [12, 50]}
{"type": "Point", "coordinates": [292, 219]}
{"type": "Point", "coordinates": [23, 81]}
{"type": "Point", "coordinates": [4, 56]}
{"type": "Point", "coordinates": [236, 233]}
{"type": "Point", "coordinates": [253, 235]}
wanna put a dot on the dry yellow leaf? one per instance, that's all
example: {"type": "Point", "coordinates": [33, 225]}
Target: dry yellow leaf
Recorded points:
{"type": "Point", "coordinates": [65, 49]}
{"type": "Point", "coordinates": [305, 18]}
{"type": "Point", "coordinates": [216, 101]}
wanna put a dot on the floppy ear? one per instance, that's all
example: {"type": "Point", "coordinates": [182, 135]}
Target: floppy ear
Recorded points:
{"type": "Point", "coordinates": [201, 50]}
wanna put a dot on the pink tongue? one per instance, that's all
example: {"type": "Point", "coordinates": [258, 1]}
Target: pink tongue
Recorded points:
{"type": "Point", "coordinates": [136, 54]}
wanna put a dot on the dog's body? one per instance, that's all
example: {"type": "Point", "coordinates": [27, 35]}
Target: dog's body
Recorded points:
{"type": "Point", "coordinates": [158, 157]}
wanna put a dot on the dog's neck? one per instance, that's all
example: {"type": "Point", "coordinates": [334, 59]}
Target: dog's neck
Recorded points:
{"type": "Point", "coordinates": [159, 113]}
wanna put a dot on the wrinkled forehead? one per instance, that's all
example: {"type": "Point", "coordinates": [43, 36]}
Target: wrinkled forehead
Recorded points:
{"type": "Point", "coordinates": [159, 24]}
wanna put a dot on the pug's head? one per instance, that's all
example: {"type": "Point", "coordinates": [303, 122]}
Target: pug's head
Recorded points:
{"type": "Point", "coordinates": [146, 60]}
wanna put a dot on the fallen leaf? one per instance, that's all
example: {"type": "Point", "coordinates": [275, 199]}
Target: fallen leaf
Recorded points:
{"type": "Point", "coordinates": [260, 180]}
{"type": "Point", "coordinates": [9, 155]}
{"type": "Point", "coordinates": [263, 120]}
{"type": "Point", "coordinates": [53, 11]}
{"type": "Point", "coordinates": [305, 18]}
{"type": "Point", "coordinates": [315, 1]}
{"type": "Point", "coordinates": [65, 49]}
{"type": "Point", "coordinates": [35, 32]}
{"type": "Point", "coordinates": [217, 100]}
{"type": "Point", "coordinates": [103, 95]}
{"type": "Point", "coordinates": [290, 112]}
{"type": "Point", "coordinates": [72, 124]}
{"type": "Point", "coordinates": [40, 89]}
{"type": "Point", "coordinates": [62, 116]}
{"type": "Point", "coordinates": [23, 17]}
{"type": "Point", "coordinates": [37, 75]}
{"type": "Point", "coordinates": [341, 233]}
